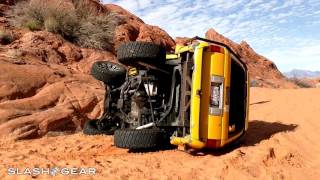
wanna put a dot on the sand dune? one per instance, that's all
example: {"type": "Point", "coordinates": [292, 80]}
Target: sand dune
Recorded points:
{"type": "Point", "coordinates": [281, 143]}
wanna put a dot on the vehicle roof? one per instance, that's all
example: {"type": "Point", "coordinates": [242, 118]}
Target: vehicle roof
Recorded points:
{"type": "Point", "coordinates": [223, 45]}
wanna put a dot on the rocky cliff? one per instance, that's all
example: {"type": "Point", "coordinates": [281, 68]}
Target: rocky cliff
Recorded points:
{"type": "Point", "coordinates": [44, 80]}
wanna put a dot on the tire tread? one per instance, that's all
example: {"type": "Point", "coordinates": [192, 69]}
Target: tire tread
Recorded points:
{"type": "Point", "coordinates": [146, 52]}
{"type": "Point", "coordinates": [139, 139]}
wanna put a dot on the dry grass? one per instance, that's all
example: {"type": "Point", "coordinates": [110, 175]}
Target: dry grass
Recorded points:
{"type": "Point", "coordinates": [79, 23]}
{"type": "Point", "coordinates": [300, 82]}
{"type": "Point", "coordinates": [97, 31]}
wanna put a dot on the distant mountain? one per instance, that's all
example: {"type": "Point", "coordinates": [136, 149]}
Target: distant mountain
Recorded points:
{"type": "Point", "coordinates": [298, 73]}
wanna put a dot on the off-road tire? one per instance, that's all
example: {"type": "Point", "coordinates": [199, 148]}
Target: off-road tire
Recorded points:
{"type": "Point", "coordinates": [132, 52]}
{"type": "Point", "coordinates": [109, 72]}
{"type": "Point", "coordinates": [90, 128]}
{"type": "Point", "coordinates": [140, 139]}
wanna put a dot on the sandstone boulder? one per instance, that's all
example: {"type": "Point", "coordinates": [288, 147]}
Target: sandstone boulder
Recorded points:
{"type": "Point", "coordinates": [36, 99]}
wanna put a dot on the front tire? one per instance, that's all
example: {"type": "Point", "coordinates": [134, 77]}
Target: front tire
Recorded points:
{"type": "Point", "coordinates": [140, 139]}
{"type": "Point", "coordinates": [108, 72]}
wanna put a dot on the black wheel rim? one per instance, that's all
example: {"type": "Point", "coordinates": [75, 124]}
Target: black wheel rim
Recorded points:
{"type": "Point", "coordinates": [109, 66]}
{"type": "Point", "coordinates": [113, 67]}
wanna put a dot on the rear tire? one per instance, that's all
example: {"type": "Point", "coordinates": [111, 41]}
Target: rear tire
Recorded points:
{"type": "Point", "coordinates": [90, 128]}
{"type": "Point", "coordinates": [132, 52]}
{"type": "Point", "coordinates": [140, 139]}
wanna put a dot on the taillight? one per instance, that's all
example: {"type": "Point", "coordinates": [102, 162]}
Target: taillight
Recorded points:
{"type": "Point", "coordinates": [213, 143]}
{"type": "Point", "coordinates": [216, 95]}
{"type": "Point", "coordinates": [217, 49]}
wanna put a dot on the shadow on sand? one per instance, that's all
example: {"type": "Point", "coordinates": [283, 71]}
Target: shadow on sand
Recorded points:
{"type": "Point", "coordinates": [258, 131]}
{"type": "Point", "coordinates": [260, 102]}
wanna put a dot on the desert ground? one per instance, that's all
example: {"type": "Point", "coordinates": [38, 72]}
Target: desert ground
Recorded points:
{"type": "Point", "coordinates": [281, 143]}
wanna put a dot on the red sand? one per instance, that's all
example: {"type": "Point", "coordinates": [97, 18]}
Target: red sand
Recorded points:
{"type": "Point", "coordinates": [282, 143]}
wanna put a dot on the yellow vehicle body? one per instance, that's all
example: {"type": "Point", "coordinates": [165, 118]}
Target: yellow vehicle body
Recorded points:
{"type": "Point", "coordinates": [209, 125]}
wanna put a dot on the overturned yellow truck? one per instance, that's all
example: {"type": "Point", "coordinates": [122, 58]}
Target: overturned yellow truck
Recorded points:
{"type": "Point", "coordinates": [219, 96]}
{"type": "Point", "coordinates": [196, 97]}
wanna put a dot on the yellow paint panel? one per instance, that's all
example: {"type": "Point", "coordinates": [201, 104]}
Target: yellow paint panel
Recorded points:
{"type": "Point", "coordinates": [214, 127]}
{"type": "Point", "coordinates": [215, 122]}
{"type": "Point", "coordinates": [217, 67]}
{"type": "Point", "coordinates": [227, 77]}
{"type": "Point", "coordinates": [180, 49]}
{"type": "Point", "coordinates": [205, 94]}
{"type": "Point", "coordinates": [196, 87]}
{"type": "Point", "coordinates": [172, 56]}
{"type": "Point", "coordinates": [224, 128]}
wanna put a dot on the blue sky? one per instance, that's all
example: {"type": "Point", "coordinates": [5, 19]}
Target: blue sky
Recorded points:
{"type": "Point", "coordinates": [285, 31]}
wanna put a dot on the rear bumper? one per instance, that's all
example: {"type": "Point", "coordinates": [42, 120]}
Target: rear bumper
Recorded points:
{"type": "Point", "coordinates": [187, 140]}
{"type": "Point", "coordinates": [210, 143]}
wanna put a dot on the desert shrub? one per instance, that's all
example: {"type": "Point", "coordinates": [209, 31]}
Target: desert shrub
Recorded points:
{"type": "Point", "coordinates": [79, 24]}
{"type": "Point", "coordinates": [82, 10]}
{"type": "Point", "coordinates": [6, 37]}
{"type": "Point", "coordinates": [301, 83]}
{"type": "Point", "coordinates": [18, 13]}
{"type": "Point", "coordinates": [65, 24]}
{"type": "Point", "coordinates": [34, 13]}
{"type": "Point", "coordinates": [51, 24]}
{"type": "Point", "coordinates": [97, 31]}
{"type": "Point", "coordinates": [32, 25]}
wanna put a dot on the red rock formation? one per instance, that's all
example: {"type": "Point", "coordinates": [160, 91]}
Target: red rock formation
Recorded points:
{"type": "Point", "coordinates": [307, 82]}
{"type": "Point", "coordinates": [36, 99]}
{"type": "Point", "coordinates": [45, 85]}
{"type": "Point", "coordinates": [44, 80]}
{"type": "Point", "coordinates": [134, 29]}
{"type": "Point", "coordinates": [182, 40]}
